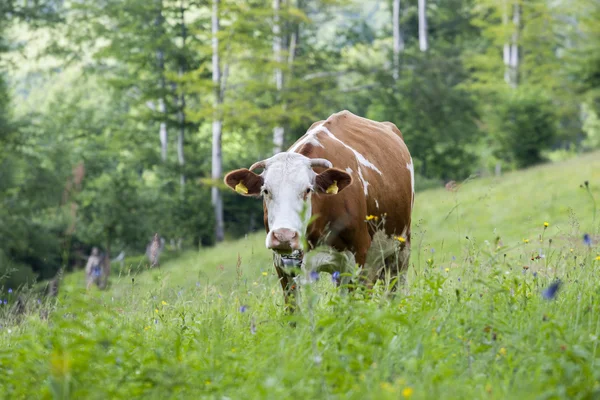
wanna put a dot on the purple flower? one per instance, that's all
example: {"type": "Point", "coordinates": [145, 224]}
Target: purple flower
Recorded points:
{"type": "Point", "coordinates": [587, 239]}
{"type": "Point", "coordinates": [5, 302]}
{"type": "Point", "coordinates": [335, 277]}
{"type": "Point", "coordinates": [432, 250]}
{"type": "Point", "coordinates": [243, 309]}
{"type": "Point", "coordinates": [39, 301]}
{"type": "Point", "coordinates": [453, 258]}
{"type": "Point", "coordinates": [314, 276]}
{"type": "Point", "coordinates": [9, 290]}
{"type": "Point", "coordinates": [550, 292]}
{"type": "Point", "coordinates": [535, 274]}
{"type": "Point", "coordinates": [197, 284]}
{"type": "Point", "coordinates": [459, 279]}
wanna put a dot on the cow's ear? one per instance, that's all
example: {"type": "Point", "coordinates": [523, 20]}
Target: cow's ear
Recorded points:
{"type": "Point", "coordinates": [332, 181]}
{"type": "Point", "coordinates": [245, 182]}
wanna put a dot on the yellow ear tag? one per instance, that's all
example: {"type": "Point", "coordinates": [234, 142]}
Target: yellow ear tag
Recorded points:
{"type": "Point", "coordinates": [241, 188]}
{"type": "Point", "coordinates": [333, 189]}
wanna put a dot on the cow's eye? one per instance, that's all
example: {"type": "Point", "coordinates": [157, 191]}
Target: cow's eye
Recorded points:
{"type": "Point", "coordinates": [308, 191]}
{"type": "Point", "coordinates": [265, 192]}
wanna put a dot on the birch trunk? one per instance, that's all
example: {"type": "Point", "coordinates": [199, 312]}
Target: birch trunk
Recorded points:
{"type": "Point", "coordinates": [162, 107]}
{"type": "Point", "coordinates": [514, 48]}
{"type": "Point", "coordinates": [506, 50]}
{"type": "Point", "coordinates": [398, 42]}
{"type": "Point", "coordinates": [278, 131]}
{"type": "Point", "coordinates": [423, 45]}
{"type": "Point", "coordinates": [217, 126]}
{"type": "Point", "coordinates": [181, 101]}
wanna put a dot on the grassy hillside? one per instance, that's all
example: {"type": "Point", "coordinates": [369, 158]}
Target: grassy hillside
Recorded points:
{"type": "Point", "coordinates": [471, 322]}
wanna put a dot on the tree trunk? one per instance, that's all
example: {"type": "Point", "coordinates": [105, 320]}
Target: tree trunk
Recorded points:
{"type": "Point", "coordinates": [278, 131]}
{"type": "Point", "coordinates": [506, 50]}
{"type": "Point", "coordinates": [398, 41]}
{"type": "Point", "coordinates": [217, 125]}
{"type": "Point", "coordinates": [423, 45]}
{"type": "Point", "coordinates": [514, 48]}
{"type": "Point", "coordinates": [181, 100]}
{"type": "Point", "coordinates": [162, 108]}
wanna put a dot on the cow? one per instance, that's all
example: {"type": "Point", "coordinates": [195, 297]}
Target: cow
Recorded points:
{"type": "Point", "coordinates": [323, 187]}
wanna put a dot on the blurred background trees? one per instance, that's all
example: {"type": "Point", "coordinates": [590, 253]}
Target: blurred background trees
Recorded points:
{"type": "Point", "coordinates": [114, 123]}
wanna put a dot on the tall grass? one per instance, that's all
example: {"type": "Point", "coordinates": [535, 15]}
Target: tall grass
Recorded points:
{"type": "Point", "coordinates": [474, 319]}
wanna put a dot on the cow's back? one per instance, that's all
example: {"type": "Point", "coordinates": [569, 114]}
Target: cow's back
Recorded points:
{"type": "Point", "coordinates": [375, 155]}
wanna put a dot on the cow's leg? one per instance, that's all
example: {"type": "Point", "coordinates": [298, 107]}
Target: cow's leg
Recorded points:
{"type": "Point", "coordinates": [286, 278]}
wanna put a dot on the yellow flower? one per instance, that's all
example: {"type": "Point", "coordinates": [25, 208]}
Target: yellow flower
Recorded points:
{"type": "Point", "coordinates": [400, 239]}
{"type": "Point", "coordinates": [146, 328]}
{"type": "Point", "coordinates": [372, 218]}
{"type": "Point", "coordinates": [546, 224]}
{"type": "Point", "coordinates": [264, 274]}
{"type": "Point", "coordinates": [502, 351]}
{"type": "Point", "coordinates": [156, 310]}
{"type": "Point", "coordinates": [164, 303]}
{"type": "Point", "coordinates": [597, 258]}
{"type": "Point", "coordinates": [407, 392]}
{"type": "Point", "coordinates": [447, 269]}
{"type": "Point", "coordinates": [207, 382]}
{"type": "Point", "coordinates": [571, 250]}
{"type": "Point", "coordinates": [525, 240]}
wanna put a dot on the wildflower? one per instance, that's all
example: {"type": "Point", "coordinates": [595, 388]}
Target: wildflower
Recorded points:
{"type": "Point", "coordinates": [146, 328]}
{"type": "Point", "coordinates": [9, 291]}
{"type": "Point", "coordinates": [571, 250]}
{"type": "Point", "coordinates": [550, 292]}
{"type": "Point", "coordinates": [197, 284]}
{"type": "Point", "coordinates": [335, 277]}
{"type": "Point", "coordinates": [164, 303]}
{"type": "Point", "coordinates": [535, 274]}
{"type": "Point", "coordinates": [243, 309]}
{"type": "Point", "coordinates": [502, 351]}
{"type": "Point", "coordinates": [432, 250]}
{"type": "Point", "coordinates": [525, 240]}
{"type": "Point", "coordinates": [400, 239]}
{"type": "Point", "coordinates": [372, 218]}
{"type": "Point", "coordinates": [156, 310]}
{"type": "Point", "coordinates": [314, 276]}
{"type": "Point", "coordinates": [453, 258]}
{"type": "Point", "coordinates": [587, 240]}
{"type": "Point", "coordinates": [407, 392]}
{"type": "Point", "coordinates": [447, 270]}
{"type": "Point", "coordinates": [598, 258]}
{"type": "Point", "coordinates": [252, 327]}
{"type": "Point", "coordinates": [546, 224]}
{"type": "Point", "coordinates": [264, 274]}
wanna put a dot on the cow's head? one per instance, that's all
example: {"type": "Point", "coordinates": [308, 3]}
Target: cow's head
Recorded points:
{"type": "Point", "coordinates": [287, 184]}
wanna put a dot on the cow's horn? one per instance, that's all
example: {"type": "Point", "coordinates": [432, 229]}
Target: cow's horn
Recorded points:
{"type": "Point", "coordinates": [258, 164]}
{"type": "Point", "coordinates": [320, 162]}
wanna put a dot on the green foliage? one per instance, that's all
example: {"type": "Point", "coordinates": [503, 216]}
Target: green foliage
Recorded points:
{"type": "Point", "coordinates": [525, 127]}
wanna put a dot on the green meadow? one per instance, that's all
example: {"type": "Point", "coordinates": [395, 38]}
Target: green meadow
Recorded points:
{"type": "Point", "coordinates": [475, 319]}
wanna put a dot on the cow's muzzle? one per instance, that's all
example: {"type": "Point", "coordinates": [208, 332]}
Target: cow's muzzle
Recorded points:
{"type": "Point", "coordinates": [283, 240]}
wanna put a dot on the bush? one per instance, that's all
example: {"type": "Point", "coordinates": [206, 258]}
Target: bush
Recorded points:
{"type": "Point", "coordinates": [525, 126]}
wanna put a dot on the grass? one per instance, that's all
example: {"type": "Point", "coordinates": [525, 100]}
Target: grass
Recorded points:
{"type": "Point", "coordinates": [470, 323]}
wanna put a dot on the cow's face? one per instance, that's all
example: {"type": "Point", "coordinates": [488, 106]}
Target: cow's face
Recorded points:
{"type": "Point", "coordinates": [287, 185]}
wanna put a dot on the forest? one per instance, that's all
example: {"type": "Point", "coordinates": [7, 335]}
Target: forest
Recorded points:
{"type": "Point", "coordinates": [119, 118]}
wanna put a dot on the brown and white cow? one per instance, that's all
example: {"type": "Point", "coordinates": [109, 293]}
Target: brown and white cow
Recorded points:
{"type": "Point", "coordinates": [342, 170]}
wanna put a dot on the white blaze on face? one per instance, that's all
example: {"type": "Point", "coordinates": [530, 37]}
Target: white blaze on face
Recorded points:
{"type": "Point", "coordinates": [287, 177]}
